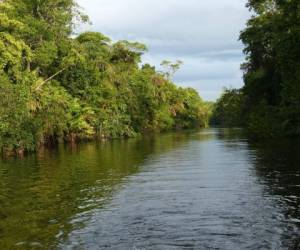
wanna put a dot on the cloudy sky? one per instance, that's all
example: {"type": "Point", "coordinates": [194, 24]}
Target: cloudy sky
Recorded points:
{"type": "Point", "coordinates": [202, 33]}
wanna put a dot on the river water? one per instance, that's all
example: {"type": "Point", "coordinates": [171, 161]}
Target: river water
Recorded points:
{"type": "Point", "coordinates": [210, 189]}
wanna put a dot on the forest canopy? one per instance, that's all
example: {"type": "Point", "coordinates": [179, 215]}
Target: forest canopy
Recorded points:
{"type": "Point", "coordinates": [55, 85]}
{"type": "Point", "coordinates": [269, 103]}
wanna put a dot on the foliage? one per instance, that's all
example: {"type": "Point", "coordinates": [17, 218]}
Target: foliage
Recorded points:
{"type": "Point", "coordinates": [272, 70]}
{"type": "Point", "coordinates": [55, 86]}
{"type": "Point", "coordinates": [270, 103]}
{"type": "Point", "coordinates": [171, 68]}
{"type": "Point", "coordinates": [227, 110]}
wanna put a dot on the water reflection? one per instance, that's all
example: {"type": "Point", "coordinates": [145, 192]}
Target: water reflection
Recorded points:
{"type": "Point", "coordinates": [204, 194]}
{"type": "Point", "coordinates": [209, 189]}
{"type": "Point", "coordinates": [277, 165]}
{"type": "Point", "coordinates": [42, 195]}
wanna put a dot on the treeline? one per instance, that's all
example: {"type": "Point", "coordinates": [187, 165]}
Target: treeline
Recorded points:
{"type": "Point", "coordinates": [54, 86]}
{"type": "Point", "coordinates": [269, 103]}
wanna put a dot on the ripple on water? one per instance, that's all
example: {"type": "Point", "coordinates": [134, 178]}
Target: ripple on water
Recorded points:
{"type": "Point", "coordinates": [208, 190]}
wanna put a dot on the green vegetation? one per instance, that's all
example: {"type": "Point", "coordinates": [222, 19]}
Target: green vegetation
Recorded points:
{"type": "Point", "coordinates": [54, 86]}
{"type": "Point", "coordinates": [227, 110]}
{"type": "Point", "coordinates": [269, 103]}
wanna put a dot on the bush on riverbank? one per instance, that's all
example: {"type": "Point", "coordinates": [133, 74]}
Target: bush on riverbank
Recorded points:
{"type": "Point", "coordinates": [56, 87]}
{"type": "Point", "coordinates": [269, 103]}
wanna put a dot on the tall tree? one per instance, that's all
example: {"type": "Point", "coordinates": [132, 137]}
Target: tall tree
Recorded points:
{"type": "Point", "coordinates": [272, 69]}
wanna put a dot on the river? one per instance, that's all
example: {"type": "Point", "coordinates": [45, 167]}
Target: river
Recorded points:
{"type": "Point", "coordinates": [207, 189]}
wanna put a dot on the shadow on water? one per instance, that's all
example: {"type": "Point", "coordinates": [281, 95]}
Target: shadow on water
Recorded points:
{"type": "Point", "coordinates": [191, 190]}
{"type": "Point", "coordinates": [205, 194]}
{"type": "Point", "coordinates": [41, 195]}
{"type": "Point", "coordinates": [276, 164]}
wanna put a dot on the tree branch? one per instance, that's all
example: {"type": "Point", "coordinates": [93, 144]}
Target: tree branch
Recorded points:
{"type": "Point", "coordinates": [48, 79]}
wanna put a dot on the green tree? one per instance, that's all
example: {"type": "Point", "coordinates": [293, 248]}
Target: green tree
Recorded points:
{"type": "Point", "coordinates": [55, 86]}
{"type": "Point", "coordinates": [227, 111]}
{"type": "Point", "coordinates": [272, 69]}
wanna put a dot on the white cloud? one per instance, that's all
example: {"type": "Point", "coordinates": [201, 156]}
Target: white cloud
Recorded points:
{"type": "Point", "coordinates": [202, 33]}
